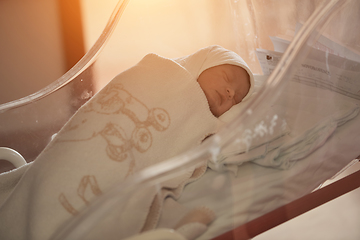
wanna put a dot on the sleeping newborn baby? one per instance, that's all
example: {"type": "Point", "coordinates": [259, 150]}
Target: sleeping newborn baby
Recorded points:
{"type": "Point", "coordinates": [151, 112]}
{"type": "Point", "coordinates": [224, 77]}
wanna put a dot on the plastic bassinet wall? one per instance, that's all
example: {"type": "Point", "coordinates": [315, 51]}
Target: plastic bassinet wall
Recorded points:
{"type": "Point", "coordinates": [298, 130]}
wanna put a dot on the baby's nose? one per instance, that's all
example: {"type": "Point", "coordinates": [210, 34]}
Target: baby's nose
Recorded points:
{"type": "Point", "coordinates": [230, 93]}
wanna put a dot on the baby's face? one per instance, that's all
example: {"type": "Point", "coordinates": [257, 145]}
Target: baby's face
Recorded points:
{"type": "Point", "coordinates": [224, 86]}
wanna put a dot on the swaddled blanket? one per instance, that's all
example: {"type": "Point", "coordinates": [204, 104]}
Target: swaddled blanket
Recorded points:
{"type": "Point", "coordinates": [147, 114]}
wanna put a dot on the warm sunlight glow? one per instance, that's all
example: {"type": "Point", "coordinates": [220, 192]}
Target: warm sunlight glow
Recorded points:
{"type": "Point", "coordinates": [169, 28]}
{"type": "Point", "coordinates": [176, 28]}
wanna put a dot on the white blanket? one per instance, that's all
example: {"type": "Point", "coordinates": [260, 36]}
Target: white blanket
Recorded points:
{"type": "Point", "coordinates": [147, 114]}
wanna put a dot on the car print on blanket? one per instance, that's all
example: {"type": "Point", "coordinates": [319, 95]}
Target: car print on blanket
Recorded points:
{"type": "Point", "coordinates": [115, 100]}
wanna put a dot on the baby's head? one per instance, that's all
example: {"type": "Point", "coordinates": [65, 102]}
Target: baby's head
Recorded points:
{"type": "Point", "coordinates": [224, 86]}
{"type": "Point", "coordinates": [224, 77]}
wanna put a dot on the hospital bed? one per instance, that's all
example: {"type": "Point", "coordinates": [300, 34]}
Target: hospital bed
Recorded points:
{"type": "Point", "coordinates": [266, 166]}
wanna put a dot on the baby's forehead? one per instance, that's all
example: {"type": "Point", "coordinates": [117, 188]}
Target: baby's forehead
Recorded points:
{"type": "Point", "coordinates": [230, 69]}
{"type": "Point", "coordinates": [224, 67]}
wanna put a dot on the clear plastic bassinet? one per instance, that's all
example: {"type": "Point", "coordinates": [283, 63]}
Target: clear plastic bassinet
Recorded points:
{"type": "Point", "coordinates": [300, 128]}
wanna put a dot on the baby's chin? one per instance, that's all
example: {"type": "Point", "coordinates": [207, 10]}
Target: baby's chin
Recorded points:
{"type": "Point", "coordinates": [218, 111]}
{"type": "Point", "coordinates": [215, 111]}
